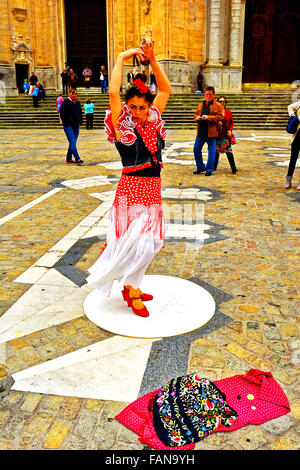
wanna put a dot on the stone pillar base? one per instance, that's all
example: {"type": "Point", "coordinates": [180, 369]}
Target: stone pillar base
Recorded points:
{"type": "Point", "coordinates": [224, 78]}
{"type": "Point", "coordinates": [8, 75]}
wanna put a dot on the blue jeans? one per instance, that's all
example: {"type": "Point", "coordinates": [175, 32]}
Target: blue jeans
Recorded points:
{"type": "Point", "coordinates": [103, 86]}
{"type": "Point", "coordinates": [72, 136]}
{"type": "Point", "coordinates": [212, 146]}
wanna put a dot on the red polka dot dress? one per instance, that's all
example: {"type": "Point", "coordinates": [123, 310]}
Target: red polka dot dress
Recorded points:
{"type": "Point", "coordinates": [136, 223]}
{"type": "Point", "coordinates": [255, 396]}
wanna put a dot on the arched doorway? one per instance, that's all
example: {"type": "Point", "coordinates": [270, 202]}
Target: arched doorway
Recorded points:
{"type": "Point", "coordinates": [272, 41]}
{"type": "Point", "coordinates": [86, 36]}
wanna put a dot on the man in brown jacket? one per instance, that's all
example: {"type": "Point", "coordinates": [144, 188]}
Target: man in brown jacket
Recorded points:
{"type": "Point", "coordinates": [207, 115]}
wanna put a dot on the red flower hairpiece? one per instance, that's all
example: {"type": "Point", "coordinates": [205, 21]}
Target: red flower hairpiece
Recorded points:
{"type": "Point", "coordinates": [140, 85]}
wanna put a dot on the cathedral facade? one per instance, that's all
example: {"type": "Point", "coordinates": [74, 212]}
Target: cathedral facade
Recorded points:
{"type": "Point", "coordinates": [236, 43]}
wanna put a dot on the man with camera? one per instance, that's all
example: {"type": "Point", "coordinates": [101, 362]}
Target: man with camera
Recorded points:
{"type": "Point", "coordinates": [207, 115]}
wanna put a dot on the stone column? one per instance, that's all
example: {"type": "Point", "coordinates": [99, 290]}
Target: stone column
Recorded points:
{"type": "Point", "coordinates": [235, 33]}
{"type": "Point", "coordinates": [214, 33]}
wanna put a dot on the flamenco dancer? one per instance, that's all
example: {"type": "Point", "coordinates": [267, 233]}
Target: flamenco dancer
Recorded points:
{"type": "Point", "coordinates": [136, 222]}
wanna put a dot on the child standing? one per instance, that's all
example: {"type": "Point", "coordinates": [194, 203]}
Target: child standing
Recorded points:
{"type": "Point", "coordinates": [89, 113]}
{"type": "Point", "coordinates": [25, 86]}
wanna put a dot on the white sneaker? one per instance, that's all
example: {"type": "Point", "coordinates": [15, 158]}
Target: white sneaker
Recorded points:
{"type": "Point", "coordinates": [298, 187]}
{"type": "Point", "coordinates": [288, 182]}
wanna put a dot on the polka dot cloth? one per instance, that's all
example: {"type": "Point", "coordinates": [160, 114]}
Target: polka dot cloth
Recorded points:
{"type": "Point", "coordinates": [256, 397]}
{"type": "Point", "coordinates": [149, 136]}
{"type": "Point", "coordinates": [136, 196]}
{"type": "Point", "coordinates": [269, 402]}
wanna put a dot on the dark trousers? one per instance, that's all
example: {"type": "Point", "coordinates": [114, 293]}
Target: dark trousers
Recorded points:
{"type": "Point", "coordinates": [89, 120]}
{"type": "Point", "coordinates": [294, 154]}
{"type": "Point", "coordinates": [230, 158]}
{"type": "Point", "coordinates": [65, 87]}
{"type": "Point", "coordinates": [35, 101]}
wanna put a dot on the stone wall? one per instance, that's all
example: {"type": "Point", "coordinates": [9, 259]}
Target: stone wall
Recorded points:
{"type": "Point", "coordinates": [30, 35]}
{"type": "Point", "coordinates": [187, 33]}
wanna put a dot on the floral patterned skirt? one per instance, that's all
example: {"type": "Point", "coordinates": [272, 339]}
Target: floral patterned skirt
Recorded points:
{"type": "Point", "coordinates": [223, 145]}
{"type": "Point", "coordinates": [189, 408]}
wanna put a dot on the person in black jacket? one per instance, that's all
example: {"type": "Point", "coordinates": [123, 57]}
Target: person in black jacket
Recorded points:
{"type": "Point", "coordinates": [71, 117]}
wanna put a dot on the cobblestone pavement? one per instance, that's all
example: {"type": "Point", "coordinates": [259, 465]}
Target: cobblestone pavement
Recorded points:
{"type": "Point", "coordinates": [51, 232]}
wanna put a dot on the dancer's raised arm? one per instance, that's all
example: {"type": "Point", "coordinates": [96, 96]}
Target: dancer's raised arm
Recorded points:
{"type": "Point", "coordinates": [162, 81]}
{"type": "Point", "coordinates": [116, 83]}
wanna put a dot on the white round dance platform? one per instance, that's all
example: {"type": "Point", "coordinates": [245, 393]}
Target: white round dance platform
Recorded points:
{"type": "Point", "coordinates": [178, 306]}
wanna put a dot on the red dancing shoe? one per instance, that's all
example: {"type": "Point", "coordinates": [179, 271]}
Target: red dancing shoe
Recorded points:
{"type": "Point", "coordinates": [144, 297]}
{"type": "Point", "coordinates": [134, 301]}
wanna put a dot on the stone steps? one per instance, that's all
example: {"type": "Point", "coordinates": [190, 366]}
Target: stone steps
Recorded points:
{"type": "Point", "coordinates": [260, 110]}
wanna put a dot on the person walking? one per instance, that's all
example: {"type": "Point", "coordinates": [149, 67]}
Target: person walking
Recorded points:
{"type": "Point", "coordinates": [136, 223]}
{"type": "Point", "coordinates": [89, 113]}
{"type": "Point", "coordinates": [35, 96]}
{"type": "Point", "coordinates": [225, 136]}
{"type": "Point", "coordinates": [207, 116]}
{"type": "Point", "coordinates": [87, 74]}
{"type": "Point", "coordinates": [32, 82]}
{"type": "Point", "coordinates": [71, 117]}
{"type": "Point", "coordinates": [42, 93]}
{"type": "Point", "coordinates": [294, 109]}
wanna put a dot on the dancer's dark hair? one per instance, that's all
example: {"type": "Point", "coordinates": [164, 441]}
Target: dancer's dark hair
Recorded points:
{"type": "Point", "coordinates": [134, 91]}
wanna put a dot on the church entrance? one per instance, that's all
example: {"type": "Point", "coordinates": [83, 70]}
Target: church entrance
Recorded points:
{"type": "Point", "coordinates": [272, 41]}
{"type": "Point", "coordinates": [86, 37]}
{"type": "Point", "coordinates": [21, 74]}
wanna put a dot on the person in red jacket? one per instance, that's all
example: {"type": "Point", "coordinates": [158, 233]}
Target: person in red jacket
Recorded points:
{"type": "Point", "coordinates": [225, 136]}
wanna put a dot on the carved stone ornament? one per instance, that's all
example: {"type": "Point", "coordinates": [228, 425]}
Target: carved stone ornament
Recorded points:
{"type": "Point", "coordinates": [19, 13]}
{"type": "Point", "coordinates": [22, 51]}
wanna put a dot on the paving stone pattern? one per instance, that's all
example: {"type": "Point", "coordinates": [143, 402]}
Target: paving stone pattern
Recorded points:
{"type": "Point", "coordinates": [251, 259]}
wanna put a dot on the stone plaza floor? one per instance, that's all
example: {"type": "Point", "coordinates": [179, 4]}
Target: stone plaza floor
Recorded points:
{"type": "Point", "coordinates": [243, 248]}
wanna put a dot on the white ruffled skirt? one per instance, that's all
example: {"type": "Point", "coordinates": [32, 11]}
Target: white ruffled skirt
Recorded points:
{"type": "Point", "coordinates": [135, 234]}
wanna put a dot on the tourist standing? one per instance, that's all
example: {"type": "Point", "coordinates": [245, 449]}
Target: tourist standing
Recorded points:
{"type": "Point", "coordinates": [152, 83]}
{"type": "Point", "coordinates": [71, 116]}
{"type": "Point", "coordinates": [207, 115]}
{"type": "Point", "coordinates": [32, 82]}
{"type": "Point", "coordinates": [65, 78]}
{"type": "Point", "coordinates": [87, 74]}
{"type": "Point", "coordinates": [103, 79]}
{"type": "Point", "coordinates": [225, 136]}
{"type": "Point", "coordinates": [129, 76]}
{"type": "Point", "coordinates": [294, 109]}
{"type": "Point", "coordinates": [89, 113]}
{"type": "Point", "coordinates": [26, 86]}
{"type": "Point", "coordinates": [73, 80]}
{"type": "Point", "coordinates": [200, 79]}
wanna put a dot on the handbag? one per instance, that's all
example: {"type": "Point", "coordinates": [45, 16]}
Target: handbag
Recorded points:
{"type": "Point", "coordinates": [292, 124]}
{"type": "Point", "coordinates": [232, 139]}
